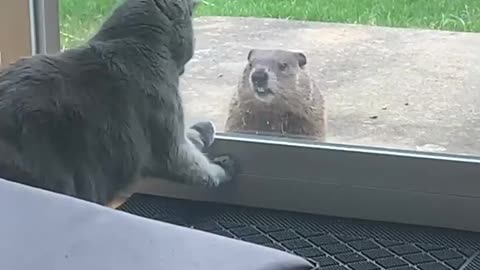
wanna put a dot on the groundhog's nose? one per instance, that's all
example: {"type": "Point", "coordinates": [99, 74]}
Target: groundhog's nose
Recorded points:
{"type": "Point", "coordinates": [259, 77]}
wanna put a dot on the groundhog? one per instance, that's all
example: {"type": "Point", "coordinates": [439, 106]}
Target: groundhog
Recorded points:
{"type": "Point", "coordinates": [276, 95]}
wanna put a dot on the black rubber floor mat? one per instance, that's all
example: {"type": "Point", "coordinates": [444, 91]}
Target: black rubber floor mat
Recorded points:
{"type": "Point", "coordinates": [334, 243]}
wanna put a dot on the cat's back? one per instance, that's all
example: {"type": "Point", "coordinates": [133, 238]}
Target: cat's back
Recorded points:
{"type": "Point", "coordinates": [72, 80]}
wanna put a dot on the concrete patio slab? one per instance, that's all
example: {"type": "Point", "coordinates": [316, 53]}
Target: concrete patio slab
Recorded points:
{"type": "Point", "coordinates": [384, 87]}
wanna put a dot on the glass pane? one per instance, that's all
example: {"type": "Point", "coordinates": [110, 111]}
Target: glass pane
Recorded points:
{"type": "Point", "coordinates": [399, 74]}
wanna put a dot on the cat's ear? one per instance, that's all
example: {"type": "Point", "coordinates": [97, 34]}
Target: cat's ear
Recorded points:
{"type": "Point", "coordinates": [196, 3]}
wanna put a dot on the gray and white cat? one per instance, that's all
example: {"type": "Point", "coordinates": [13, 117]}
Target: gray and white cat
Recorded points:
{"type": "Point", "coordinates": [90, 120]}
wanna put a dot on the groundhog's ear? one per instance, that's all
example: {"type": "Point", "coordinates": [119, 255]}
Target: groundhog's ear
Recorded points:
{"type": "Point", "coordinates": [302, 59]}
{"type": "Point", "coordinates": [251, 53]}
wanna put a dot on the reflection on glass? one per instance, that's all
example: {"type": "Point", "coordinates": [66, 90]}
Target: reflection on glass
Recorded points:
{"type": "Point", "coordinates": [353, 81]}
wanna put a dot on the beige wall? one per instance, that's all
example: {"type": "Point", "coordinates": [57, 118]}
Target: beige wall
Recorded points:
{"type": "Point", "coordinates": [14, 30]}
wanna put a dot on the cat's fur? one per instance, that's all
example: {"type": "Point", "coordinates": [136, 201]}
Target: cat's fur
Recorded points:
{"type": "Point", "coordinates": [89, 121]}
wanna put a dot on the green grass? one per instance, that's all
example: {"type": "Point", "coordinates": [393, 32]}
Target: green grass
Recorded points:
{"type": "Point", "coordinates": [79, 18]}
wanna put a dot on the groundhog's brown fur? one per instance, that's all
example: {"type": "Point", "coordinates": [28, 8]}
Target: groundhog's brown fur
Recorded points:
{"type": "Point", "coordinates": [276, 94]}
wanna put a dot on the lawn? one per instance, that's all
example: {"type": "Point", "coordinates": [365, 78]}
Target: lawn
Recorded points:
{"type": "Point", "coordinates": [79, 18]}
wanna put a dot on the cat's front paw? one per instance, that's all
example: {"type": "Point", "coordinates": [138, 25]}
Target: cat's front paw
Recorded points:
{"type": "Point", "coordinates": [228, 164]}
{"type": "Point", "coordinates": [222, 169]}
{"type": "Point", "coordinates": [206, 131]}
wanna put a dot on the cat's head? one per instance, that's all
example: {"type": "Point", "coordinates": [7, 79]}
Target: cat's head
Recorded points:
{"type": "Point", "coordinates": [180, 13]}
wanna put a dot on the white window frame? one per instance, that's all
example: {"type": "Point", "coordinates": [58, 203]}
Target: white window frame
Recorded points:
{"type": "Point", "coordinates": [45, 26]}
{"type": "Point", "coordinates": [328, 179]}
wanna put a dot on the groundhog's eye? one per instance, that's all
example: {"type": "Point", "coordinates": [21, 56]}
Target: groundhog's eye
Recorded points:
{"type": "Point", "coordinates": [283, 66]}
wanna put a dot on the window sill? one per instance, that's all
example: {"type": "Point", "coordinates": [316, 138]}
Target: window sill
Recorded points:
{"type": "Point", "coordinates": [372, 184]}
